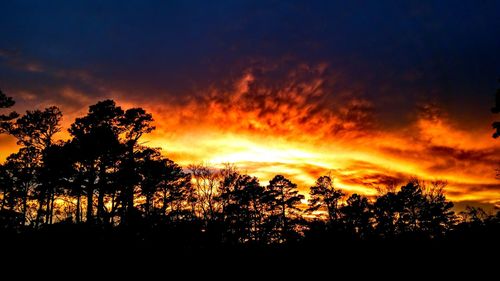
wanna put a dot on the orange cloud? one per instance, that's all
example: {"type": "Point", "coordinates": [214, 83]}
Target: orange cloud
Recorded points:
{"type": "Point", "coordinates": [294, 124]}
{"type": "Point", "coordinates": [293, 127]}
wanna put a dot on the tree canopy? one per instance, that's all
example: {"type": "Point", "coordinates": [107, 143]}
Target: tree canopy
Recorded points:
{"type": "Point", "coordinates": [104, 177]}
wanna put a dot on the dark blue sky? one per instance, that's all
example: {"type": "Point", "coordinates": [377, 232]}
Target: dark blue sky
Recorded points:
{"type": "Point", "coordinates": [394, 53]}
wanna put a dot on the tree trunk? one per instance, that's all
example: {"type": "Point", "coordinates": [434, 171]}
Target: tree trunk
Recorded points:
{"type": "Point", "coordinates": [90, 193]}
{"type": "Point", "coordinates": [100, 198]}
{"type": "Point", "coordinates": [25, 204]}
{"type": "Point", "coordinates": [113, 208]}
{"type": "Point", "coordinates": [78, 207]}
{"type": "Point", "coordinates": [39, 212]}
{"type": "Point", "coordinates": [47, 207]}
{"type": "Point", "coordinates": [52, 200]}
{"type": "Point", "coordinates": [100, 205]}
{"type": "Point", "coordinates": [129, 194]}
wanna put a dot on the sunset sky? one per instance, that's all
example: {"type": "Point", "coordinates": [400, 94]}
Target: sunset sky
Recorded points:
{"type": "Point", "coordinates": [371, 92]}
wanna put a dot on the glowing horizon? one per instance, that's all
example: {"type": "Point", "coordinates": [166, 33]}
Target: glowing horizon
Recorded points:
{"type": "Point", "coordinates": [370, 93]}
{"type": "Point", "coordinates": [302, 140]}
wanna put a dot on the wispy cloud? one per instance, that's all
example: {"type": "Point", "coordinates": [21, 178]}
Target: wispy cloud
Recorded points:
{"type": "Point", "coordinates": [296, 120]}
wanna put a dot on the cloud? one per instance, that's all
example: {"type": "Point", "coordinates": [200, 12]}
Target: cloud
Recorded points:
{"type": "Point", "coordinates": [295, 119]}
{"type": "Point", "coordinates": [16, 61]}
{"type": "Point", "coordinates": [264, 116]}
{"type": "Point", "coordinates": [279, 101]}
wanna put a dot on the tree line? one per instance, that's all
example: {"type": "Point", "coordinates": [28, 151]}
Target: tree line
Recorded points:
{"type": "Point", "coordinates": [104, 176]}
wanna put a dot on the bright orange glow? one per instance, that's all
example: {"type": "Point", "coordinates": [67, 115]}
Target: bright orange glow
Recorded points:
{"type": "Point", "coordinates": [266, 133]}
{"type": "Point", "coordinates": [356, 168]}
{"type": "Point", "coordinates": [292, 129]}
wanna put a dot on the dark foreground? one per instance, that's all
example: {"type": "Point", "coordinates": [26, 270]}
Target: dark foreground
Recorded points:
{"type": "Point", "coordinates": [85, 249]}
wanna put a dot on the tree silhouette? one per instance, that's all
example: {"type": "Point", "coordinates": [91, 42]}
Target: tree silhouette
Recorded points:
{"type": "Point", "coordinates": [134, 123]}
{"type": "Point", "coordinates": [324, 196]}
{"type": "Point", "coordinates": [37, 128]}
{"type": "Point", "coordinates": [386, 213]}
{"type": "Point", "coordinates": [358, 216]}
{"type": "Point", "coordinates": [21, 167]}
{"type": "Point", "coordinates": [412, 202]}
{"type": "Point", "coordinates": [35, 131]}
{"type": "Point", "coordinates": [152, 169]}
{"type": "Point", "coordinates": [164, 186]}
{"type": "Point", "coordinates": [136, 195]}
{"type": "Point", "coordinates": [438, 215]}
{"type": "Point", "coordinates": [55, 176]}
{"type": "Point", "coordinates": [6, 102]}
{"type": "Point", "coordinates": [417, 209]}
{"type": "Point", "coordinates": [177, 193]}
{"type": "Point", "coordinates": [282, 199]}
{"type": "Point", "coordinates": [206, 182]}
{"type": "Point", "coordinates": [474, 215]}
{"type": "Point", "coordinates": [243, 208]}
{"type": "Point", "coordinates": [6, 180]}
{"type": "Point", "coordinates": [96, 148]}
{"type": "Point", "coordinates": [6, 188]}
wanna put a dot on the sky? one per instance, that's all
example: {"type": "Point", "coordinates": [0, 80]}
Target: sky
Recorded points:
{"type": "Point", "coordinates": [370, 92]}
